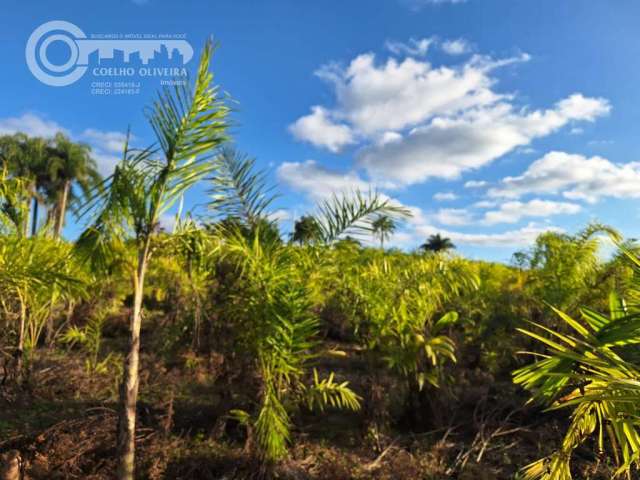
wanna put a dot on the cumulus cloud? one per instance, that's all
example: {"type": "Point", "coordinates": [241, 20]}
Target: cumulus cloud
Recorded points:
{"type": "Point", "coordinates": [456, 47]}
{"type": "Point", "coordinates": [447, 147]}
{"type": "Point", "coordinates": [579, 107]}
{"type": "Point", "coordinates": [415, 47]}
{"type": "Point", "coordinates": [31, 124]}
{"type": "Point", "coordinates": [507, 212]}
{"type": "Point", "coordinates": [317, 181]}
{"type": "Point", "coordinates": [445, 196]}
{"type": "Point", "coordinates": [514, 211]}
{"type": "Point", "coordinates": [453, 216]}
{"type": "Point", "coordinates": [396, 94]}
{"type": "Point", "coordinates": [108, 141]}
{"type": "Point", "coordinates": [319, 129]}
{"type": "Point", "coordinates": [414, 121]}
{"type": "Point", "coordinates": [575, 177]}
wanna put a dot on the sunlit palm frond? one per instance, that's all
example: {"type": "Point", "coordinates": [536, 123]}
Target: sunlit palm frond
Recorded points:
{"type": "Point", "coordinates": [237, 190]}
{"type": "Point", "coordinates": [353, 214]}
{"type": "Point", "coordinates": [190, 121]}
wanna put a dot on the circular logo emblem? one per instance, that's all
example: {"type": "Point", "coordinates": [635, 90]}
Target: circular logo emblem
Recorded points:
{"type": "Point", "coordinates": [36, 52]}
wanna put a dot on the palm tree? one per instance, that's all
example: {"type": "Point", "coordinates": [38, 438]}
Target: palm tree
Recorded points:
{"type": "Point", "coordinates": [189, 125]}
{"type": "Point", "coordinates": [71, 163]}
{"type": "Point", "coordinates": [281, 324]}
{"type": "Point", "coordinates": [437, 243]}
{"type": "Point", "coordinates": [383, 227]}
{"type": "Point", "coordinates": [306, 230]}
{"type": "Point", "coordinates": [14, 204]}
{"type": "Point", "coordinates": [27, 158]}
{"type": "Point", "coordinates": [37, 155]}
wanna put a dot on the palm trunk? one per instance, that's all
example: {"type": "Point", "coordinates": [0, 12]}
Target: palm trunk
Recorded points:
{"type": "Point", "coordinates": [34, 219]}
{"type": "Point", "coordinates": [61, 209]}
{"type": "Point", "coordinates": [129, 387]}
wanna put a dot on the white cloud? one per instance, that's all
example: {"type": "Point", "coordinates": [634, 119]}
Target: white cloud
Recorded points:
{"type": "Point", "coordinates": [579, 107]}
{"type": "Point", "coordinates": [107, 147]}
{"type": "Point", "coordinates": [508, 212]}
{"type": "Point", "coordinates": [106, 162]}
{"type": "Point", "coordinates": [456, 47]}
{"type": "Point", "coordinates": [414, 121]}
{"type": "Point", "coordinates": [395, 95]}
{"type": "Point", "coordinates": [31, 124]}
{"type": "Point", "coordinates": [514, 211]}
{"type": "Point", "coordinates": [453, 216]}
{"type": "Point", "coordinates": [576, 177]}
{"type": "Point", "coordinates": [415, 47]}
{"type": "Point", "coordinates": [318, 182]}
{"type": "Point", "coordinates": [475, 184]}
{"type": "Point", "coordinates": [518, 238]}
{"type": "Point", "coordinates": [445, 196]}
{"type": "Point", "coordinates": [318, 129]}
{"type": "Point", "coordinates": [447, 147]}
{"type": "Point", "coordinates": [112, 142]}
{"type": "Point", "coordinates": [411, 121]}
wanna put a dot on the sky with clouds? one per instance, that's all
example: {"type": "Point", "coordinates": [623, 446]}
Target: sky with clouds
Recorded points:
{"type": "Point", "coordinates": [490, 120]}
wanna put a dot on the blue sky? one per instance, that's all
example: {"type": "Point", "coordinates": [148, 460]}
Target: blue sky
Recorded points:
{"type": "Point", "coordinates": [492, 120]}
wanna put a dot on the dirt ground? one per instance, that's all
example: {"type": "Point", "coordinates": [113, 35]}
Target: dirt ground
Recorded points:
{"type": "Point", "coordinates": [62, 420]}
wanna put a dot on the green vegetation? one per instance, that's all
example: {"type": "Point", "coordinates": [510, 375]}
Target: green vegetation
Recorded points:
{"type": "Point", "coordinates": [239, 355]}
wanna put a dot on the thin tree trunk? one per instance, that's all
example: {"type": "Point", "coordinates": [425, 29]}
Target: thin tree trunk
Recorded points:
{"type": "Point", "coordinates": [19, 355]}
{"type": "Point", "coordinates": [61, 209]}
{"type": "Point", "coordinates": [50, 331]}
{"type": "Point", "coordinates": [34, 219]}
{"type": "Point", "coordinates": [129, 387]}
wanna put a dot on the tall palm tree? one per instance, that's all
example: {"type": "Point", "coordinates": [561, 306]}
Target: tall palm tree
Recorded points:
{"type": "Point", "coordinates": [383, 227]}
{"type": "Point", "coordinates": [437, 243]}
{"type": "Point", "coordinates": [190, 124]}
{"type": "Point", "coordinates": [71, 164]}
{"type": "Point", "coordinates": [306, 230]}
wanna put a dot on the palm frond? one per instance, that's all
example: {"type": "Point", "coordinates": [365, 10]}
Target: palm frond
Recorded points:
{"type": "Point", "coordinates": [237, 190]}
{"type": "Point", "coordinates": [353, 214]}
